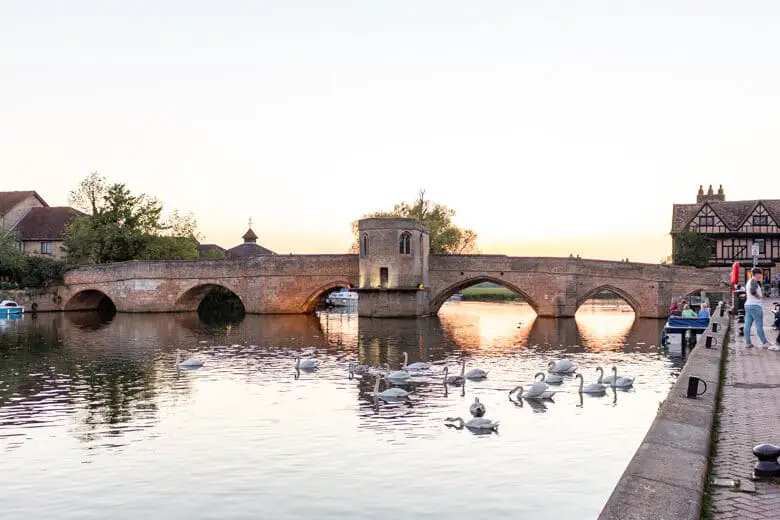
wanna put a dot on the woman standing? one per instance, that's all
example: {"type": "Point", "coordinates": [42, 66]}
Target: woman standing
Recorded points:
{"type": "Point", "coordinates": [753, 310]}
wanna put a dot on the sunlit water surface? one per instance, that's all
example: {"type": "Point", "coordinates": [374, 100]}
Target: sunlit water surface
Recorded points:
{"type": "Point", "coordinates": [96, 422]}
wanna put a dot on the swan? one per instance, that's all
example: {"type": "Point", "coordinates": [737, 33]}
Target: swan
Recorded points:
{"type": "Point", "coordinates": [553, 379]}
{"type": "Point", "coordinates": [474, 373]}
{"type": "Point", "coordinates": [607, 380]}
{"type": "Point", "coordinates": [358, 370]}
{"type": "Point", "coordinates": [189, 363]}
{"type": "Point", "coordinates": [398, 377]}
{"type": "Point", "coordinates": [453, 380]}
{"type": "Point", "coordinates": [415, 366]}
{"type": "Point", "coordinates": [390, 393]}
{"type": "Point", "coordinates": [621, 382]}
{"type": "Point", "coordinates": [563, 366]}
{"type": "Point", "coordinates": [545, 394]}
{"type": "Point", "coordinates": [478, 423]}
{"type": "Point", "coordinates": [593, 388]}
{"type": "Point", "coordinates": [477, 409]}
{"type": "Point", "coordinates": [305, 364]}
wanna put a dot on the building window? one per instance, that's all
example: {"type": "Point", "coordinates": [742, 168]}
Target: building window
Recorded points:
{"type": "Point", "coordinates": [405, 243]}
{"type": "Point", "coordinates": [46, 248]}
{"type": "Point", "coordinates": [384, 276]}
{"type": "Point", "coordinates": [364, 245]}
{"type": "Point", "coordinates": [761, 246]}
{"type": "Point", "coordinates": [760, 220]}
{"type": "Point", "coordinates": [706, 221]}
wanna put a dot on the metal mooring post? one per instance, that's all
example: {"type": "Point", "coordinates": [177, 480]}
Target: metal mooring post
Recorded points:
{"type": "Point", "coordinates": [767, 465]}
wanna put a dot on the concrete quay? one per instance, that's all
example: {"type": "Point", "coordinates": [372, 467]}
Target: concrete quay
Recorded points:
{"type": "Point", "coordinates": [666, 478]}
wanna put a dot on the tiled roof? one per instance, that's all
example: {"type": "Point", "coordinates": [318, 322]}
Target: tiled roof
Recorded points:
{"type": "Point", "coordinates": [733, 214]}
{"type": "Point", "coordinates": [9, 199]}
{"type": "Point", "coordinates": [45, 223]}
{"type": "Point", "coordinates": [248, 250]}
{"type": "Point", "coordinates": [205, 249]}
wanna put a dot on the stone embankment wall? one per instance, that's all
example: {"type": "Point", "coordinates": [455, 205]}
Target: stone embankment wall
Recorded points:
{"type": "Point", "coordinates": [41, 301]}
{"type": "Point", "coordinates": [667, 476]}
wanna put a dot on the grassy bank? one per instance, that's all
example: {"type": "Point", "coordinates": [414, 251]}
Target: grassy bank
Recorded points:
{"type": "Point", "coordinates": [479, 293]}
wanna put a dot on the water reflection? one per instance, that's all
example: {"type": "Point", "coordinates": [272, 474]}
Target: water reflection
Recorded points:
{"type": "Point", "coordinates": [80, 387]}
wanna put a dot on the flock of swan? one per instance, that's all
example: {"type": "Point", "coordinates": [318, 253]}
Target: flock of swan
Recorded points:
{"type": "Point", "coordinates": [557, 373]}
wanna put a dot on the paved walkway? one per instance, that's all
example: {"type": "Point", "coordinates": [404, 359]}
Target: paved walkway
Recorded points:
{"type": "Point", "coordinates": [749, 415]}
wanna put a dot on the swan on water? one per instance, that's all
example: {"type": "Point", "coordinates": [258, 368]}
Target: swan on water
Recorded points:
{"type": "Point", "coordinates": [390, 394]}
{"type": "Point", "coordinates": [358, 370]}
{"type": "Point", "coordinates": [621, 382]}
{"type": "Point", "coordinates": [398, 377]}
{"type": "Point", "coordinates": [456, 380]}
{"type": "Point", "coordinates": [606, 380]}
{"type": "Point", "coordinates": [545, 394]}
{"type": "Point", "coordinates": [477, 409]}
{"type": "Point", "coordinates": [562, 366]}
{"type": "Point", "coordinates": [414, 367]}
{"type": "Point", "coordinates": [593, 388]}
{"type": "Point", "coordinates": [189, 363]}
{"type": "Point", "coordinates": [478, 423]}
{"type": "Point", "coordinates": [553, 379]}
{"type": "Point", "coordinates": [475, 373]}
{"type": "Point", "coordinates": [305, 364]}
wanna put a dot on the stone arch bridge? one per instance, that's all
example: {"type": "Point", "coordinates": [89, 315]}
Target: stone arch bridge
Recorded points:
{"type": "Point", "coordinates": [554, 287]}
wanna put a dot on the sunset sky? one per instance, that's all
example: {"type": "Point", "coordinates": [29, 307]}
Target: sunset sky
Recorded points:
{"type": "Point", "coordinates": [551, 127]}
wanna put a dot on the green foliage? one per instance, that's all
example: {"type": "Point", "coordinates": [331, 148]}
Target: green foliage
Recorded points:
{"type": "Point", "coordinates": [692, 249]}
{"type": "Point", "coordinates": [12, 260]}
{"type": "Point", "coordinates": [18, 270]}
{"type": "Point", "coordinates": [214, 254]}
{"type": "Point", "coordinates": [445, 236]}
{"type": "Point", "coordinates": [121, 226]}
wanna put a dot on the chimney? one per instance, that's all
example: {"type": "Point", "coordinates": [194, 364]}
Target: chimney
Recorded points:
{"type": "Point", "coordinates": [700, 195]}
{"type": "Point", "coordinates": [721, 194]}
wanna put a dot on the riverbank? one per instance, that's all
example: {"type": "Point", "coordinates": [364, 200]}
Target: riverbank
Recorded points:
{"type": "Point", "coordinates": [666, 477]}
{"type": "Point", "coordinates": [480, 293]}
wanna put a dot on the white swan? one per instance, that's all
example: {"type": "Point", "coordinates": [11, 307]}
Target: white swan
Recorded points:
{"type": "Point", "coordinates": [189, 363]}
{"type": "Point", "coordinates": [545, 394]}
{"type": "Point", "coordinates": [562, 366]}
{"type": "Point", "coordinates": [621, 382]}
{"type": "Point", "coordinates": [415, 367]}
{"type": "Point", "coordinates": [553, 379]}
{"type": "Point", "coordinates": [474, 373]}
{"type": "Point", "coordinates": [390, 394]}
{"type": "Point", "coordinates": [478, 423]}
{"type": "Point", "coordinates": [305, 364]}
{"type": "Point", "coordinates": [477, 409]}
{"type": "Point", "coordinates": [398, 377]}
{"type": "Point", "coordinates": [593, 388]}
{"type": "Point", "coordinates": [606, 380]}
{"type": "Point", "coordinates": [358, 370]}
{"type": "Point", "coordinates": [453, 380]}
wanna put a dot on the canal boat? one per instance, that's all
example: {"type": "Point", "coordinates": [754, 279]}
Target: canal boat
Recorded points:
{"type": "Point", "coordinates": [10, 308]}
{"type": "Point", "coordinates": [343, 298]}
{"type": "Point", "coordinates": [678, 329]}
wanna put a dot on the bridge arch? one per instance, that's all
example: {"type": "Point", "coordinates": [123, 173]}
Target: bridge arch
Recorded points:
{"type": "Point", "coordinates": [437, 300]}
{"type": "Point", "coordinates": [625, 295]}
{"type": "Point", "coordinates": [319, 294]}
{"type": "Point", "coordinates": [190, 299]}
{"type": "Point", "coordinates": [90, 300]}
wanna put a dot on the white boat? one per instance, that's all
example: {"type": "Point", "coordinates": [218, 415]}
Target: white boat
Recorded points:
{"type": "Point", "coordinates": [10, 308]}
{"type": "Point", "coordinates": [343, 298]}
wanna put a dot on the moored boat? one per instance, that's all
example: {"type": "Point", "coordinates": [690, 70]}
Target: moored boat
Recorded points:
{"type": "Point", "coordinates": [10, 308]}
{"type": "Point", "coordinates": [343, 298]}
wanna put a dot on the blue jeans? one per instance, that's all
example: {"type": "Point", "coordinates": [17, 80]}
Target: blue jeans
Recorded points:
{"type": "Point", "coordinates": [754, 313]}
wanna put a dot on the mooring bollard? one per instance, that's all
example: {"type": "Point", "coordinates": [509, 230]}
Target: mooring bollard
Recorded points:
{"type": "Point", "coordinates": [767, 465]}
{"type": "Point", "coordinates": [714, 327]}
{"type": "Point", "coordinates": [722, 311]}
{"type": "Point", "coordinates": [708, 343]}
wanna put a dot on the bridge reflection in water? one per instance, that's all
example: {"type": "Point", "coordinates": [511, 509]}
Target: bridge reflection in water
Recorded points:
{"type": "Point", "coordinates": [81, 387]}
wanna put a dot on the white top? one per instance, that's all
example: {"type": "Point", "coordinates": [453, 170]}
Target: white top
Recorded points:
{"type": "Point", "coordinates": [752, 299]}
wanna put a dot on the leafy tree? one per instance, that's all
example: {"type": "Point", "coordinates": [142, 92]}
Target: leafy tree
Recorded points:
{"type": "Point", "coordinates": [693, 249]}
{"type": "Point", "coordinates": [120, 226]}
{"type": "Point", "coordinates": [445, 237]}
{"type": "Point", "coordinates": [41, 272]}
{"type": "Point", "coordinates": [12, 260]}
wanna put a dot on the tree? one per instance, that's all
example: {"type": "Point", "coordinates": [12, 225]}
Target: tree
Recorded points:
{"type": "Point", "coordinates": [121, 226]}
{"type": "Point", "coordinates": [12, 260]}
{"type": "Point", "coordinates": [445, 237]}
{"type": "Point", "coordinates": [693, 249]}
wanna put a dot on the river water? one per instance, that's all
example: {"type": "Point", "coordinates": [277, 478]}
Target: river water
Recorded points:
{"type": "Point", "coordinates": [96, 422]}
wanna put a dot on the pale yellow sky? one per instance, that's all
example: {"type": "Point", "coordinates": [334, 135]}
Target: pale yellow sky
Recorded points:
{"type": "Point", "coordinates": [552, 128]}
